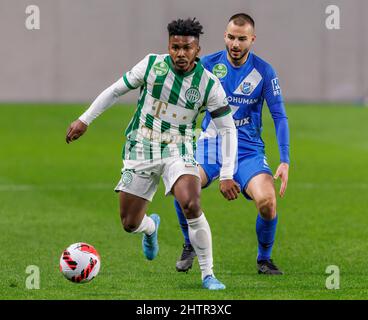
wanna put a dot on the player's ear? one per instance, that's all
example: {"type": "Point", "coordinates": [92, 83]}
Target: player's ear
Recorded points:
{"type": "Point", "coordinates": [169, 43]}
{"type": "Point", "coordinates": [254, 38]}
{"type": "Point", "coordinates": [198, 50]}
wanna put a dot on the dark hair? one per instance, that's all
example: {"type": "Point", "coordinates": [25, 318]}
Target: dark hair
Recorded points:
{"type": "Point", "coordinates": [188, 27]}
{"type": "Point", "coordinates": [240, 19]}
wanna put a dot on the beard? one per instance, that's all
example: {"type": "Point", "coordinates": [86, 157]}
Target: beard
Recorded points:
{"type": "Point", "coordinates": [239, 57]}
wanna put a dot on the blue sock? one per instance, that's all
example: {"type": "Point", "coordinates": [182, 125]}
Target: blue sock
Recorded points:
{"type": "Point", "coordinates": [266, 230]}
{"type": "Point", "coordinates": [182, 221]}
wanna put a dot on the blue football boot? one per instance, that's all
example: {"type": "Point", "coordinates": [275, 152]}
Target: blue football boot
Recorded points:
{"type": "Point", "coordinates": [211, 283]}
{"type": "Point", "coordinates": [150, 243]}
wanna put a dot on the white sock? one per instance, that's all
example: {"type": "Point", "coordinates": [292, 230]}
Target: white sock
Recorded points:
{"type": "Point", "coordinates": [147, 226]}
{"type": "Point", "coordinates": [201, 240]}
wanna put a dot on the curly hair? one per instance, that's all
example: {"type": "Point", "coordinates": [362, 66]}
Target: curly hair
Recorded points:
{"type": "Point", "coordinates": [188, 27]}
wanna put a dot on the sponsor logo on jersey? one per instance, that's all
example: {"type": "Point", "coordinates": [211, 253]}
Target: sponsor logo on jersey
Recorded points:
{"type": "Point", "coordinates": [276, 87]}
{"type": "Point", "coordinates": [219, 70]}
{"type": "Point", "coordinates": [241, 100]}
{"type": "Point", "coordinates": [160, 68]}
{"type": "Point", "coordinates": [242, 122]}
{"type": "Point", "coordinates": [192, 95]}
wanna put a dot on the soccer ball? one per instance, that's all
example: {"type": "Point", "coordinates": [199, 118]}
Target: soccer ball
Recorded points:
{"type": "Point", "coordinates": [80, 262]}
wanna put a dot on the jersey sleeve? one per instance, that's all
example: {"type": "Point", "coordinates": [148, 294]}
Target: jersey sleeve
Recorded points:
{"type": "Point", "coordinates": [271, 87]}
{"type": "Point", "coordinates": [217, 104]}
{"type": "Point", "coordinates": [135, 77]}
{"type": "Point", "coordinates": [272, 94]}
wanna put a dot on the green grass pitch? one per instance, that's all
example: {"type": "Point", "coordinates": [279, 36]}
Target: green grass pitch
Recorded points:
{"type": "Point", "coordinates": [53, 194]}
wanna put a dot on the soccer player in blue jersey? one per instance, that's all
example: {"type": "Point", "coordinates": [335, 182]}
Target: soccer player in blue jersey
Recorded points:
{"type": "Point", "coordinates": [248, 81]}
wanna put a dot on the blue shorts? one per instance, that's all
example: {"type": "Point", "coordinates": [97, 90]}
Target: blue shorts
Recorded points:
{"type": "Point", "coordinates": [246, 168]}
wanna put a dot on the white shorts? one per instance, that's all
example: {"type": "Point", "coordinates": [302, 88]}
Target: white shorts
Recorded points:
{"type": "Point", "coordinates": [141, 178]}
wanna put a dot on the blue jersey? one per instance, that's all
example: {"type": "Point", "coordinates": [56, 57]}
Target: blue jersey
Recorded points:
{"type": "Point", "coordinates": [246, 87]}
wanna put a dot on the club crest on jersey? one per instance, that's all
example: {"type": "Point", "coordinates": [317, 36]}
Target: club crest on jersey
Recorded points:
{"type": "Point", "coordinates": [249, 83]}
{"type": "Point", "coordinates": [127, 178]}
{"type": "Point", "coordinates": [219, 70]}
{"type": "Point", "coordinates": [246, 87]}
{"type": "Point", "coordinates": [160, 68]}
{"type": "Point", "coordinates": [192, 95]}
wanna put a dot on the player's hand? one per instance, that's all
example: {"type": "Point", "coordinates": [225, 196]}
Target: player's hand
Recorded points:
{"type": "Point", "coordinates": [229, 189]}
{"type": "Point", "coordinates": [282, 172]}
{"type": "Point", "coordinates": [75, 130]}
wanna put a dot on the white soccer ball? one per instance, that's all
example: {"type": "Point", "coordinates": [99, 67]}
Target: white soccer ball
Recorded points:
{"type": "Point", "coordinates": [80, 262]}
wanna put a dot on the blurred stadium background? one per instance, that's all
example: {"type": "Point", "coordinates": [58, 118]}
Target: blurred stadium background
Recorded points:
{"type": "Point", "coordinates": [53, 194]}
{"type": "Point", "coordinates": [84, 45]}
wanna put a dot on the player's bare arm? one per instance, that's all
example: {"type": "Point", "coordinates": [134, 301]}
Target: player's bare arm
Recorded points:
{"type": "Point", "coordinates": [104, 101]}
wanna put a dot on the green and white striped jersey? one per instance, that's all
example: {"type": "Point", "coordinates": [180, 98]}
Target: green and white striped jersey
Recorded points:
{"type": "Point", "coordinates": [168, 106]}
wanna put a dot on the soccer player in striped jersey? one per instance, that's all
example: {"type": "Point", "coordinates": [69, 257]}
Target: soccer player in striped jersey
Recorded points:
{"type": "Point", "coordinates": [174, 89]}
{"type": "Point", "coordinates": [248, 81]}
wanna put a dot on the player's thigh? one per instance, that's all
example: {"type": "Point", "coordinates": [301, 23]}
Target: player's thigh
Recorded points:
{"type": "Point", "coordinates": [182, 179]}
{"type": "Point", "coordinates": [137, 186]}
{"type": "Point", "coordinates": [261, 189]}
{"type": "Point", "coordinates": [140, 178]}
{"type": "Point", "coordinates": [174, 168]}
{"type": "Point", "coordinates": [207, 158]}
{"type": "Point", "coordinates": [203, 175]}
{"type": "Point", "coordinates": [252, 174]}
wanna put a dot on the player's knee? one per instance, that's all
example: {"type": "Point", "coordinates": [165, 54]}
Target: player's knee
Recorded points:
{"type": "Point", "coordinates": [129, 227]}
{"type": "Point", "coordinates": [267, 207]}
{"type": "Point", "coordinates": [191, 208]}
{"type": "Point", "coordinates": [128, 224]}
